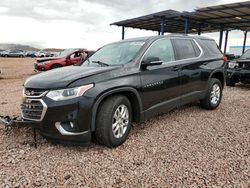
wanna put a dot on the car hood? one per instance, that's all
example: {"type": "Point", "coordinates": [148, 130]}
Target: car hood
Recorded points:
{"type": "Point", "coordinates": [243, 60]}
{"type": "Point", "coordinates": [47, 59]}
{"type": "Point", "coordinates": [61, 78]}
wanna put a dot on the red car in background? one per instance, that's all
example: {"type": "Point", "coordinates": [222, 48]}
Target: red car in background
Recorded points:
{"type": "Point", "coordinates": [65, 58]}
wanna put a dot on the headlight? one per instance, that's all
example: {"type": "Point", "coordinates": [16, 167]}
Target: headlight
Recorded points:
{"type": "Point", "coordinates": [233, 65]}
{"type": "Point", "coordinates": [44, 62]}
{"type": "Point", "coordinates": [64, 94]}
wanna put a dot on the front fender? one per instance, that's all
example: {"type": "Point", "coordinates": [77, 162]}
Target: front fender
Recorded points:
{"type": "Point", "coordinates": [109, 93]}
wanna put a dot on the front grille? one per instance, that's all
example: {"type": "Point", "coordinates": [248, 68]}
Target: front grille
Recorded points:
{"type": "Point", "coordinates": [33, 109]}
{"type": "Point", "coordinates": [34, 92]}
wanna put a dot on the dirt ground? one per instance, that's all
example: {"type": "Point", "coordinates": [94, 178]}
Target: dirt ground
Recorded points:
{"type": "Point", "coordinates": [187, 147]}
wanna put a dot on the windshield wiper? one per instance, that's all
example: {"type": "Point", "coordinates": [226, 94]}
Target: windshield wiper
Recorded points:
{"type": "Point", "coordinates": [100, 63]}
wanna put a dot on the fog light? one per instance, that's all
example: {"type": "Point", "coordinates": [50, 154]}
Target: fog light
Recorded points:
{"type": "Point", "coordinates": [67, 128]}
{"type": "Point", "coordinates": [71, 124]}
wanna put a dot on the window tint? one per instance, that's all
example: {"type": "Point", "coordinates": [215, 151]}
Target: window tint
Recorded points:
{"type": "Point", "coordinates": [212, 46]}
{"type": "Point", "coordinates": [161, 49]}
{"type": "Point", "coordinates": [186, 48]}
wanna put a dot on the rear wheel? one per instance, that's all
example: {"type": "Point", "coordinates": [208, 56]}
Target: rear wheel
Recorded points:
{"type": "Point", "coordinates": [113, 122]}
{"type": "Point", "coordinates": [213, 95]}
{"type": "Point", "coordinates": [230, 82]}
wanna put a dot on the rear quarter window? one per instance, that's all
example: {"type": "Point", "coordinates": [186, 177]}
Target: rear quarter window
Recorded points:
{"type": "Point", "coordinates": [212, 46]}
{"type": "Point", "coordinates": [186, 48]}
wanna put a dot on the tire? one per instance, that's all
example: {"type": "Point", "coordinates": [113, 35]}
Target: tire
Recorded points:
{"type": "Point", "coordinates": [230, 82]}
{"type": "Point", "coordinates": [210, 102]}
{"type": "Point", "coordinates": [55, 66]}
{"type": "Point", "coordinates": [5, 55]}
{"type": "Point", "coordinates": [106, 121]}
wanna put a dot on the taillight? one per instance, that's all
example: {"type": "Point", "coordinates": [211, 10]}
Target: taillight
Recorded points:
{"type": "Point", "coordinates": [225, 59]}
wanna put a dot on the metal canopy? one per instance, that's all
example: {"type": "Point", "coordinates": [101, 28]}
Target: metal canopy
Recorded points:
{"type": "Point", "coordinates": [235, 16]}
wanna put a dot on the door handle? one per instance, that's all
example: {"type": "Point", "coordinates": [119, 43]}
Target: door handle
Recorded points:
{"type": "Point", "coordinates": [175, 68]}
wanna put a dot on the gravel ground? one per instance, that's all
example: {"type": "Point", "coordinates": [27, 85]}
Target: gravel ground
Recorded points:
{"type": "Point", "coordinates": [187, 147]}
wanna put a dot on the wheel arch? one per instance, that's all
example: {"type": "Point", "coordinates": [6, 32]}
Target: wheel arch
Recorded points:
{"type": "Point", "coordinates": [132, 95]}
{"type": "Point", "coordinates": [51, 66]}
{"type": "Point", "coordinates": [220, 76]}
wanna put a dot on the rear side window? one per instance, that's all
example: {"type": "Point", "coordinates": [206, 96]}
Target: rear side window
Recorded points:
{"type": "Point", "coordinates": [212, 46]}
{"type": "Point", "coordinates": [186, 48]}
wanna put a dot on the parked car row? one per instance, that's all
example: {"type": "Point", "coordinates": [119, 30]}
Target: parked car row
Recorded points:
{"type": "Point", "coordinates": [21, 53]}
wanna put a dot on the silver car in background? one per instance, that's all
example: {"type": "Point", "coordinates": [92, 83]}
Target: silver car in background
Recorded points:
{"type": "Point", "coordinates": [13, 53]}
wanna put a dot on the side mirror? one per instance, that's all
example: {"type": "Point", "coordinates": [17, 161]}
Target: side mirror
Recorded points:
{"type": "Point", "coordinates": [151, 61]}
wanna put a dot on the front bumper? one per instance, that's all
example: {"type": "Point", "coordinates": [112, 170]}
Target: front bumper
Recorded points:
{"type": "Point", "coordinates": [61, 121]}
{"type": "Point", "coordinates": [39, 67]}
{"type": "Point", "coordinates": [68, 120]}
{"type": "Point", "coordinates": [239, 74]}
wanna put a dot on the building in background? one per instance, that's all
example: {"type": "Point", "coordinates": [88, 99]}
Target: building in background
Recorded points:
{"type": "Point", "coordinates": [237, 50]}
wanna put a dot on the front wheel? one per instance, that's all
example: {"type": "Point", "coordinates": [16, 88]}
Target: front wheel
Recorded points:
{"type": "Point", "coordinates": [113, 122]}
{"type": "Point", "coordinates": [213, 95]}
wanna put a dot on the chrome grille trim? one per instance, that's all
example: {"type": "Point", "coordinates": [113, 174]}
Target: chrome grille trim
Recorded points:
{"type": "Point", "coordinates": [43, 110]}
{"type": "Point", "coordinates": [33, 93]}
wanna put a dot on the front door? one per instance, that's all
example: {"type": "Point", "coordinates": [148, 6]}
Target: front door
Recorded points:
{"type": "Point", "coordinates": [161, 83]}
{"type": "Point", "coordinates": [74, 58]}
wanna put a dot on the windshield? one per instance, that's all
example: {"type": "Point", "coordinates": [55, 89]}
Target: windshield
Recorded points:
{"type": "Point", "coordinates": [116, 54]}
{"type": "Point", "coordinates": [246, 55]}
{"type": "Point", "coordinates": [65, 52]}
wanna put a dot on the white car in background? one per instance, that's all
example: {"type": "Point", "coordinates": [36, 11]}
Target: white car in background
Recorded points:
{"type": "Point", "coordinates": [42, 54]}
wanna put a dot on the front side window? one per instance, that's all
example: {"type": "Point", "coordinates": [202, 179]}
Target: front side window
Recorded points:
{"type": "Point", "coordinates": [161, 50]}
{"type": "Point", "coordinates": [186, 48]}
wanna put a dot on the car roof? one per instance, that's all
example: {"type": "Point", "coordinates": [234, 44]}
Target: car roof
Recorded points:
{"type": "Point", "coordinates": [149, 38]}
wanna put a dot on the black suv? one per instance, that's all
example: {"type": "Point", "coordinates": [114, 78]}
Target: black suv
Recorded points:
{"type": "Point", "coordinates": [239, 70]}
{"type": "Point", "coordinates": [126, 81]}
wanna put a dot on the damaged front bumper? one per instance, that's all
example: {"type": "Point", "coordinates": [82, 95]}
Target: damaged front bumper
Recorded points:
{"type": "Point", "coordinates": [239, 74]}
{"type": "Point", "coordinates": [15, 122]}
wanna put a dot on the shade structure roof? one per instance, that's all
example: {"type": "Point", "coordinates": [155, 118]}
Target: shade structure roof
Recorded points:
{"type": "Point", "coordinates": [235, 16]}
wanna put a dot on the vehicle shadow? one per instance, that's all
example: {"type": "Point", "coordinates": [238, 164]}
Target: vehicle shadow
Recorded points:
{"type": "Point", "coordinates": [243, 86]}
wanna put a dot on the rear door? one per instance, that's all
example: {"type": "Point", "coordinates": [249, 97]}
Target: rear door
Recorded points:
{"type": "Point", "coordinates": [161, 83]}
{"type": "Point", "coordinates": [188, 54]}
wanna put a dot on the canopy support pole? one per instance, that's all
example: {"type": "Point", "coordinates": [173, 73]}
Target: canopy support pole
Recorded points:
{"type": "Point", "coordinates": [123, 32]}
{"type": "Point", "coordinates": [162, 27]}
{"type": "Point", "coordinates": [199, 30]}
{"type": "Point", "coordinates": [226, 38]}
{"type": "Point", "coordinates": [221, 37]}
{"type": "Point", "coordinates": [244, 42]}
{"type": "Point", "coordinates": [186, 26]}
